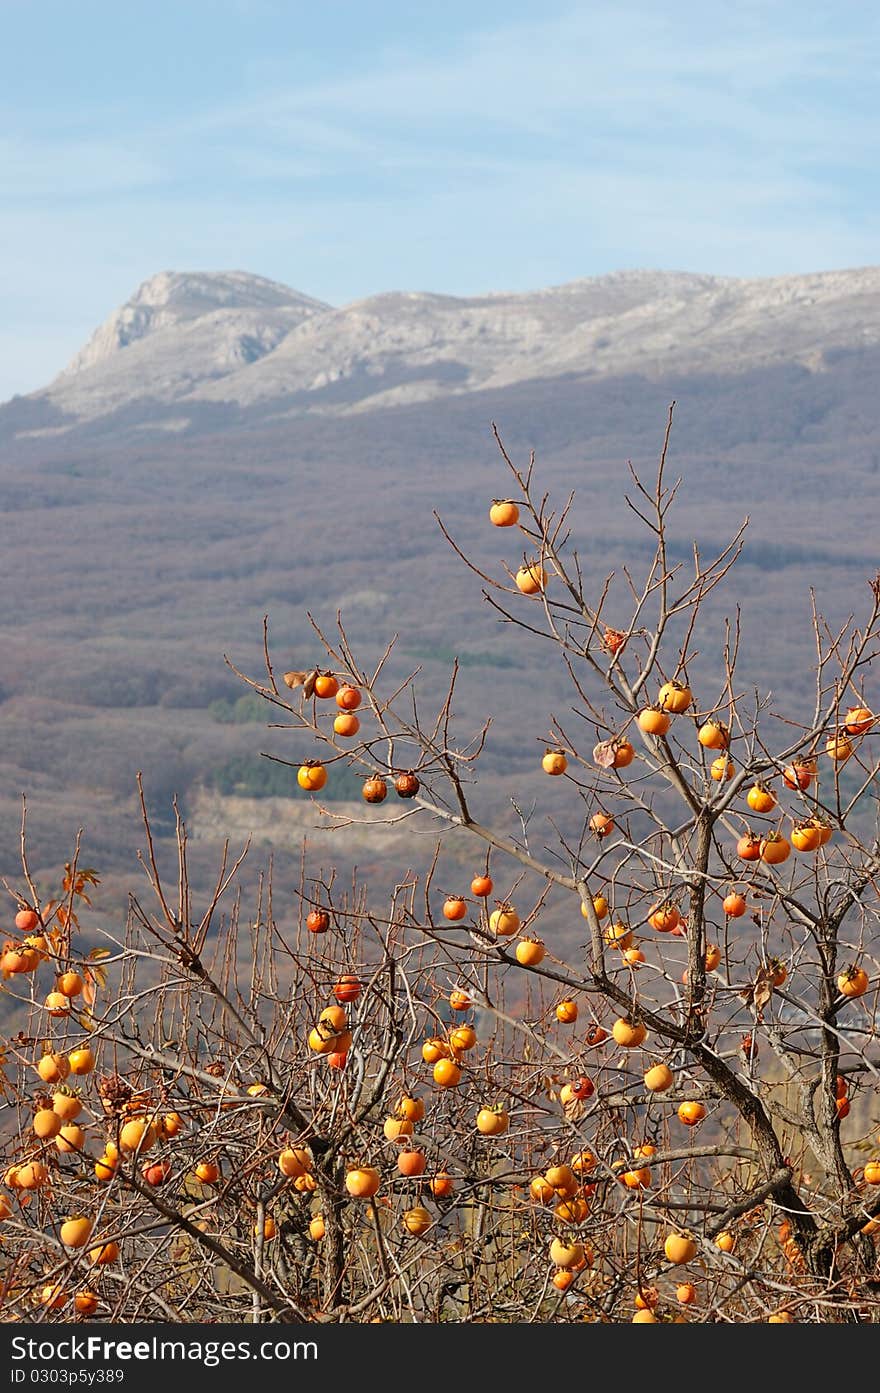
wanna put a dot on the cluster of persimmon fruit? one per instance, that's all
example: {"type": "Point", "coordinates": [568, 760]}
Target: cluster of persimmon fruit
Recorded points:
{"type": "Point", "coordinates": [24, 954]}
{"type": "Point", "coordinates": [312, 774]}
{"type": "Point", "coordinates": [808, 834]}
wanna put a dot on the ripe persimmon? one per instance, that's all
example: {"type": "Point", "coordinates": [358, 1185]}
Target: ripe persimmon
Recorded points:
{"type": "Point", "coordinates": [47, 1123]}
{"type": "Point", "coordinates": [799, 774]}
{"type": "Point", "coordinates": [311, 776]}
{"type": "Point", "coordinates": [492, 1122]}
{"type": "Point", "coordinates": [105, 1168]}
{"type": "Point", "coordinates": [674, 697]}
{"type": "Point", "coordinates": [859, 720]}
{"type": "Point", "coordinates": [348, 698]}
{"type": "Point", "coordinates": [530, 952]}
{"type": "Point", "coordinates": [347, 989]}
{"type": "Point", "coordinates": [566, 1255]}
{"type": "Point", "coordinates": [67, 1105]}
{"type": "Point", "coordinates": [504, 921]}
{"type": "Point", "coordinates": [362, 1182]}
{"type": "Point", "coordinates": [554, 762]}
{"type": "Point", "coordinates": [433, 1049]}
{"type": "Point", "coordinates": [805, 836]}
{"type": "Point", "coordinates": [81, 1060]}
{"type": "Point", "coordinates": [623, 754]}
{"type": "Point", "coordinates": [531, 578]}
{"type": "Point", "coordinates": [775, 848]}
{"type": "Point", "coordinates": [71, 1140]}
{"type": "Point", "coordinates": [326, 686]}
{"type": "Point", "coordinates": [714, 735]}
{"type": "Point", "coordinates": [583, 1162]}
{"type": "Point", "coordinates": [413, 1109]}
{"type": "Point", "coordinates": [629, 1034]}
{"type": "Point", "coordinates": [691, 1112]}
{"type": "Point", "coordinates": [333, 1019]}
{"type": "Point", "coordinates": [601, 824]}
{"type": "Point", "coordinates": [394, 1128]}
{"type": "Point", "coordinates": [447, 1073]}
{"type": "Point", "coordinates": [562, 1178]}
{"type": "Point", "coordinates": [618, 935]}
{"type": "Point", "coordinates": [541, 1191]}
{"type": "Point", "coordinates": [852, 981]}
{"type": "Point", "coordinates": [31, 1175]}
{"type": "Point", "coordinates": [346, 724]}
{"type": "Point", "coordinates": [156, 1172]}
{"type": "Point", "coordinates": [76, 1232]}
{"type": "Point", "coordinates": [454, 908]}
{"type": "Point", "coordinates": [721, 769]}
{"type": "Point", "coordinates": [664, 916]}
{"type": "Point", "coordinates": [411, 1163]}
{"type": "Point", "coordinates": [572, 1211]}
{"type": "Point", "coordinates": [374, 790]}
{"type": "Point", "coordinates": [417, 1220]}
{"type": "Point", "coordinates": [653, 721]}
{"type": "Point", "coordinates": [760, 798]}
{"type": "Point", "coordinates": [679, 1248]}
{"type": "Point", "coordinates": [53, 1068]}
{"type": "Point", "coordinates": [104, 1253]}
{"type": "Point", "coordinates": [839, 747]}
{"type": "Point", "coordinates": [658, 1078]}
{"type": "Point", "coordinates": [138, 1135]}
{"type": "Point", "coordinates": [504, 513]}
{"type": "Point", "coordinates": [460, 1000]}
{"type": "Point", "coordinates": [462, 1038]}
{"type": "Point", "coordinates": [748, 848]}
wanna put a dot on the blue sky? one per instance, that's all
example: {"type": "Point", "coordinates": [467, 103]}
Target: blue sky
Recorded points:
{"type": "Point", "coordinates": [351, 148]}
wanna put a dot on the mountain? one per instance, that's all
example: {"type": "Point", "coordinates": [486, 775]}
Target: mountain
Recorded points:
{"type": "Point", "coordinates": [187, 344]}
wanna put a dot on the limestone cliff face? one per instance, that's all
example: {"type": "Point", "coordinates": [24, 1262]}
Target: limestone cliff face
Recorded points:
{"type": "Point", "coordinates": [215, 338]}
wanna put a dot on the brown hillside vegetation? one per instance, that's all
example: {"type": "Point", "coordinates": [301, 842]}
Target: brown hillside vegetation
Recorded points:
{"type": "Point", "coordinates": [137, 557]}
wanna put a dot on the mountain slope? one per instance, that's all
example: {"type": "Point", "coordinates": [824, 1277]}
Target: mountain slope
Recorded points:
{"type": "Point", "coordinates": [176, 332]}
{"type": "Point", "coordinates": [190, 343]}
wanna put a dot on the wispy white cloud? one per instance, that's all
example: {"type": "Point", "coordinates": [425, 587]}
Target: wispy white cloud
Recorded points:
{"type": "Point", "coordinates": [61, 167]}
{"type": "Point", "coordinates": [627, 66]}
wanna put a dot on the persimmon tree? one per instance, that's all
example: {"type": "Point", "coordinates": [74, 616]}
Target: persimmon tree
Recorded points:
{"type": "Point", "coordinates": [418, 1109]}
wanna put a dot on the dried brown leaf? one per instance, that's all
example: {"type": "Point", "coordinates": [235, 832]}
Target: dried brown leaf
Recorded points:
{"type": "Point", "coordinates": [603, 754]}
